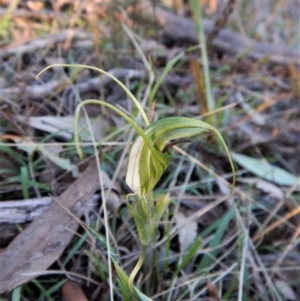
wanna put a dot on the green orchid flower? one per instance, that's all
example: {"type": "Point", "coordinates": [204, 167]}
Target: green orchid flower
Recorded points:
{"type": "Point", "coordinates": [148, 158]}
{"type": "Point", "coordinates": [147, 164]}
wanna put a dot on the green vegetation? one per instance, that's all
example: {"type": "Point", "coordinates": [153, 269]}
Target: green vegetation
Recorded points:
{"type": "Point", "coordinates": [165, 121]}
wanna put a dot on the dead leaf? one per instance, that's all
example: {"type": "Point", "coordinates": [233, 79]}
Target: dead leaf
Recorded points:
{"type": "Point", "coordinates": [71, 291]}
{"type": "Point", "coordinates": [211, 6]}
{"type": "Point", "coordinates": [195, 203]}
{"type": "Point", "coordinates": [267, 187]}
{"type": "Point", "coordinates": [63, 127]}
{"type": "Point", "coordinates": [2, 82]}
{"type": "Point", "coordinates": [256, 117]}
{"type": "Point", "coordinates": [35, 5]}
{"type": "Point", "coordinates": [8, 165]}
{"type": "Point", "coordinates": [51, 169]}
{"type": "Point", "coordinates": [29, 146]}
{"type": "Point", "coordinates": [44, 240]}
{"type": "Point", "coordinates": [187, 230]}
{"type": "Point", "coordinates": [213, 292]}
{"type": "Point", "coordinates": [286, 291]}
{"type": "Point", "coordinates": [113, 202]}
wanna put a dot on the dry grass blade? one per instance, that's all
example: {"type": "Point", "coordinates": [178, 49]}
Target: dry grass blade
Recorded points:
{"type": "Point", "coordinates": [44, 240]}
{"type": "Point", "coordinates": [199, 83]}
{"type": "Point", "coordinates": [277, 223]}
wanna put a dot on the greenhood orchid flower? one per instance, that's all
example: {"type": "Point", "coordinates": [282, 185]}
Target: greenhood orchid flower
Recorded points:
{"type": "Point", "coordinates": [149, 156]}
{"type": "Point", "coordinates": [148, 159]}
{"type": "Point", "coordinates": [145, 166]}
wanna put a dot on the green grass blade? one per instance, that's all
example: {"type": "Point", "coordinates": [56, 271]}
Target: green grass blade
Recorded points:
{"type": "Point", "coordinates": [76, 247]}
{"type": "Point", "coordinates": [190, 254]}
{"type": "Point", "coordinates": [97, 262]}
{"type": "Point", "coordinates": [264, 170]}
{"type": "Point", "coordinates": [52, 290]}
{"type": "Point", "coordinates": [45, 293]}
{"type": "Point", "coordinates": [142, 296]}
{"type": "Point", "coordinates": [124, 279]}
{"type": "Point", "coordinates": [16, 294]}
{"type": "Point", "coordinates": [121, 113]}
{"type": "Point", "coordinates": [24, 179]}
{"type": "Point", "coordinates": [161, 78]}
{"type": "Point", "coordinates": [207, 260]}
{"type": "Point", "coordinates": [16, 155]}
{"type": "Point", "coordinates": [124, 292]}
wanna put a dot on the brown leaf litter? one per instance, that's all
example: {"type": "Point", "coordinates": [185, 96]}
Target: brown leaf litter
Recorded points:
{"type": "Point", "coordinates": [44, 240]}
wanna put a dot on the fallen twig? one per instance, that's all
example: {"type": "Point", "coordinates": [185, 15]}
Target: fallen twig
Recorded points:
{"type": "Point", "coordinates": [25, 13]}
{"type": "Point", "coordinates": [24, 211]}
{"type": "Point", "coordinates": [39, 91]}
{"type": "Point", "coordinates": [220, 22]}
{"type": "Point", "coordinates": [34, 91]}
{"type": "Point", "coordinates": [182, 29]}
{"type": "Point", "coordinates": [42, 43]}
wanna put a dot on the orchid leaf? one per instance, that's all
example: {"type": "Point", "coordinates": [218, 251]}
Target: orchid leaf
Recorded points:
{"type": "Point", "coordinates": [136, 293]}
{"type": "Point", "coordinates": [124, 279]}
{"type": "Point", "coordinates": [140, 224]}
{"type": "Point", "coordinates": [161, 206]}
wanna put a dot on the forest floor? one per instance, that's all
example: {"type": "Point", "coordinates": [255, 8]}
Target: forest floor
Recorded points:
{"type": "Point", "coordinates": [62, 217]}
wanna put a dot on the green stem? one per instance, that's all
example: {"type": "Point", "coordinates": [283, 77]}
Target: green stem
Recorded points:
{"type": "Point", "coordinates": [121, 113]}
{"type": "Point", "coordinates": [137, 267]}
{"type": "Point", "coordinates": [141, 110]}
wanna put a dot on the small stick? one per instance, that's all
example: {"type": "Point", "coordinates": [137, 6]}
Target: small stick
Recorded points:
{"type": "Point", "coordinates": [220, 23]}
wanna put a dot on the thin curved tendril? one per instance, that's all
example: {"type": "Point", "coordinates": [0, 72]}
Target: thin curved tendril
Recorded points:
{"type": "Point", "coordinates": [141, 110]}
{"type": "Point", "coordinates": [121, 113]}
